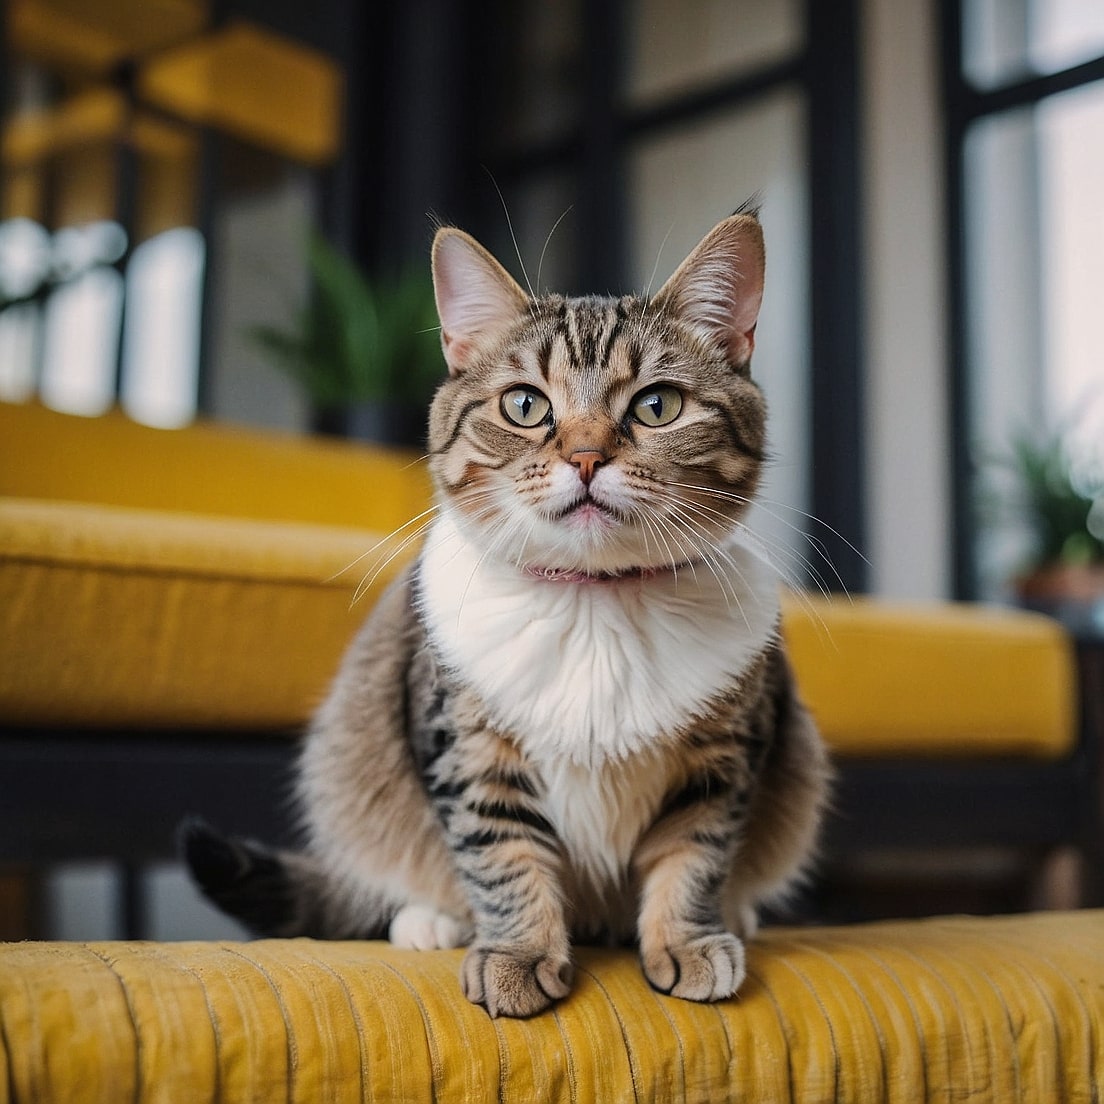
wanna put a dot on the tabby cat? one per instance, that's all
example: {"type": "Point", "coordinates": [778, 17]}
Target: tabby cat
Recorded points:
{"type": "Point", "coordinates": [572, 716]}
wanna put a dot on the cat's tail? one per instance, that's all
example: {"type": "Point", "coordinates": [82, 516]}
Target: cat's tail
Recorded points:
{"type": "Point", "coordinates": [274, 893]}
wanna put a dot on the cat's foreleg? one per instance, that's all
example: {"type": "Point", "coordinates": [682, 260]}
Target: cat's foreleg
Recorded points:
{"type": "Point", "coordinates": [681, 866]}
{"type": "Point", "coordinates": [511, 862]}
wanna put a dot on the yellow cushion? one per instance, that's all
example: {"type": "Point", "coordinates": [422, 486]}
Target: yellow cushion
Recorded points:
{"type": "Point", "coordinates": [207, 469]}
{"type": "Point", "coordinates": [139, 618]}
{"type": "Point", "coordinates": [986, 1010]}
{"type": "Point", "coordinates": [947, 679]}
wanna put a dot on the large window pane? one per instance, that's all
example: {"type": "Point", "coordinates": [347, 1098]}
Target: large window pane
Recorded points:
{"type": "Point", "coordinates": [681, 184]}
{"type": "Point", "coordinates": [1003, 40]}
{"type": "Point", "coordinates": [678, 46]}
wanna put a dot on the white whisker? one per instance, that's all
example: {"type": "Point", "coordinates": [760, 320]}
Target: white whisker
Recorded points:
{"type": "Point", "coordinates": [513, 236]}
{"type": "Point", "coordinates": [544, 249]}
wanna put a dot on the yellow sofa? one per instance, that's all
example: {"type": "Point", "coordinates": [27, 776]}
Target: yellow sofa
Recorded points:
{"type": "Point", "coordinates": [174, 603]}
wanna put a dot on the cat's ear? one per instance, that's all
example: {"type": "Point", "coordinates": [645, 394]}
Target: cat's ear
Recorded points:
{"type": "Point", "coordinates": [476, 297]}
{"type": "Point", "coordinates": [717, 290]}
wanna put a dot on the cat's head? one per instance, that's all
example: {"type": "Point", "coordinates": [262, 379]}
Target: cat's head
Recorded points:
{"type": "Point", "coordinates": [594, 435]}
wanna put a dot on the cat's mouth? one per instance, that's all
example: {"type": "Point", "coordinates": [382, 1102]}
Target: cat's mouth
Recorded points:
{"type": "Point", "coordinates": [588, 510]}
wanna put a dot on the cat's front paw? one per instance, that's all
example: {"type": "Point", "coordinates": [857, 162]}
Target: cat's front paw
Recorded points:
{"type": "Point", "coordinates": [424, 928]}
{"type": "Point", "coordinates": [509, 982]}
{"type": "Point", "coordinates": [705, 969]}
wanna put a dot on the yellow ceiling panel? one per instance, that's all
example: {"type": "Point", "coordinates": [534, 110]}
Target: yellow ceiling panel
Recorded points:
{"type": "Point", "coordinates": [264, 88]}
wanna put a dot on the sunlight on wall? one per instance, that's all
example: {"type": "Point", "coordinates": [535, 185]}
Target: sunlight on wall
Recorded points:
{"type": "Point", "coordinates": [67, 310]}
{"type": "Point", "coordinates": [161, 335]}
{"type": "Point", "coordinates": [81, 342]}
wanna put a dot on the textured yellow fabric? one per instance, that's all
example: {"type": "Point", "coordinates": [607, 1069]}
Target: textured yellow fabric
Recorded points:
{"type": "Point", "coordinates": [207, 469]}
{"type": "Point", "coordinates": [992, 1011]}
{"type": "Point", "coordinates": [133, 617]}
{"type": "Point", "coordinates": [939, 680]}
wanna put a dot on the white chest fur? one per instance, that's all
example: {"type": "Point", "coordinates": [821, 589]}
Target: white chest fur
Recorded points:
{"type": "Point", "coordinates": [588, 672]}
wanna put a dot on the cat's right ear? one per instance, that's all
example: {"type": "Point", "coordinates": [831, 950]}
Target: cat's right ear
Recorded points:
{"type": "Point", "coordinates": [477, 299]}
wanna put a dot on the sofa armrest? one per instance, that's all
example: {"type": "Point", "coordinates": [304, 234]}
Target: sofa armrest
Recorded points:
{"type": "Point", "coordinates": [207, 468]}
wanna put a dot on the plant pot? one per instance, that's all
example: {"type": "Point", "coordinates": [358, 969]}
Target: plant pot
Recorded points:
{"type": "Point", "coordinates": [1062, 583]}
{"type": "Point", "coordinates": [384, 421]}
{"type": "Point", "coordinates": [1072, 593]}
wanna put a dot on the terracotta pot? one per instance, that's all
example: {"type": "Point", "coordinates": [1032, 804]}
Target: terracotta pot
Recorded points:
{"type": "Point", "coordinates": [1062, 583]}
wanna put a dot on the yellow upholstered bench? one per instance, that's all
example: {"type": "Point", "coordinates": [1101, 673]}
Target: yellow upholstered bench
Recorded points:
{"type": "Point", "coordinates": [994, 1011]}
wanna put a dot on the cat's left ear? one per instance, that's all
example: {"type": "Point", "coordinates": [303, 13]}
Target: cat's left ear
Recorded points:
{"type": "Point", "coordinates": [477, 299]}
{"type": "Point", "coordinates": [718, 289]}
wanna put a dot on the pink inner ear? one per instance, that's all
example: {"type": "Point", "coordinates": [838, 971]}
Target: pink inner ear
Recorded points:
{"type": "Point", "coordinates": [476, 298]}
{"type": "Point", "coordinates": [457, 351]}
{"type": "Point", "coordinates": [719, 287]}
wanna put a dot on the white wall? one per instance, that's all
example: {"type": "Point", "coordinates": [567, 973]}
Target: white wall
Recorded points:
{"type": "Point", "coordinates": [908, 443]}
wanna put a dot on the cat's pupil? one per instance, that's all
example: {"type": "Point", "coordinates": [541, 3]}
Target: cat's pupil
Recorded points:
{"type": "Point", "coordinates": [524, 405]}
{"type": "Point", "coordinates": [655, 404]}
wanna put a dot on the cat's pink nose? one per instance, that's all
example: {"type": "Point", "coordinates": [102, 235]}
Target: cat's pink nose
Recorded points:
{"type": "Point", "coordinates": [587, 461]}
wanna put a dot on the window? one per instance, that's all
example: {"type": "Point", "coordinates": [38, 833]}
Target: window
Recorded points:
{"type": "Point", "coordinates": [1024, 82]}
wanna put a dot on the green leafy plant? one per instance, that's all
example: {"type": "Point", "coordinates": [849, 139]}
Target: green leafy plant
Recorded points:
{"type": "Point", "coordinates": [1065, 510]}
{"type": "Point", "coordinates": [358, 340]}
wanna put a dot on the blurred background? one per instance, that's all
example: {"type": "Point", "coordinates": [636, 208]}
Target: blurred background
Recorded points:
{"type": "Point", "coordinates": [194, 193]}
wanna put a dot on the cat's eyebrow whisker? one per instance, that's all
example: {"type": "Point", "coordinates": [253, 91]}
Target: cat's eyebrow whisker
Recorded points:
{"type": "Point", "coordinates": [655, 267]}
{"type": "Point", "coordinates": [510, 227]}
{"type": "Point", "coordinates": [544, 249]}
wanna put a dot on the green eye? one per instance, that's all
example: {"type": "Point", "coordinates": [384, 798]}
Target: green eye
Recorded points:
{"type": "Point", "coordinates": [525, 406]}
{"type": "Point", "coordinates": [658, 406]}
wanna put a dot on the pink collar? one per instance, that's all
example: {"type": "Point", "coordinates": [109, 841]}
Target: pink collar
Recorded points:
{"type": "Point", "coordinates": [630, 574]}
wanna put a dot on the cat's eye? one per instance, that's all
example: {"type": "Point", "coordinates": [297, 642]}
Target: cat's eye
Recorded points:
{"type": "Point", "coordinates": [525, 407]}
{"type": "Point", "coordinates": [658, 406]}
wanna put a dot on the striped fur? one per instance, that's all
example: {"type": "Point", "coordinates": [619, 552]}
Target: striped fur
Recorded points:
{"type": "Point", "coordinates": [572, 718]}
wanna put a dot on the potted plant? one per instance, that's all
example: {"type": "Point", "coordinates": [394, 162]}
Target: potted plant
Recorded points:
{"type": "Point", "coordinates": [367, 353]}
{"type": "Point", "coordinates": [1064, 507]}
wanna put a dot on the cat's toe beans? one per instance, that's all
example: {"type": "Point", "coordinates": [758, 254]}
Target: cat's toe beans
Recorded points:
{"type": "Point", "coordinates": [424, 928]}
{"type": "Point", "coordinates": [705, 969]}
{"type": "Point", "coordinates": [514, 983]}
